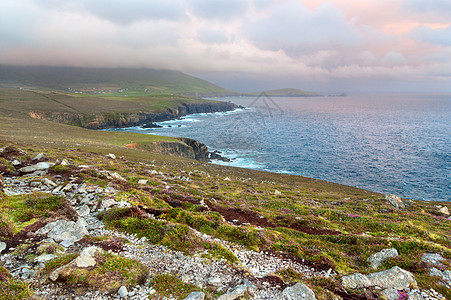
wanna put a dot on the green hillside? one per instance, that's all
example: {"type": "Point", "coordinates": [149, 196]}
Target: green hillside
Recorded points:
{"type": "Point", "coordinates": [108, 81]}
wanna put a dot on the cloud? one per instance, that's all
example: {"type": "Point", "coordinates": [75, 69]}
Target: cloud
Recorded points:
{"type": "Point", "coordinates": [293, 28]}
{"type": "Point", "coordinates": [210, 35]}
{"type": "Point", "coordinates": [440, 36]}
{"type": "Point", "coordinates": [221, 10]}
{"type": "Point", "coordinates": [441, 6]}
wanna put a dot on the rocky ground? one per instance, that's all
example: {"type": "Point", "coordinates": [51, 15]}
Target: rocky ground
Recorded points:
{"type": "Point", "coordinates": [68, 252]}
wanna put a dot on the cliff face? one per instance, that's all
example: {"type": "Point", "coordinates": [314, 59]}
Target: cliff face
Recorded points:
{"type": "Point", "coordinates": [118, 119]}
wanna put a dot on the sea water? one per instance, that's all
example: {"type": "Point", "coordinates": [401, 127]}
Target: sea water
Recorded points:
{"type": "Point", "coordinates": [396, 143]}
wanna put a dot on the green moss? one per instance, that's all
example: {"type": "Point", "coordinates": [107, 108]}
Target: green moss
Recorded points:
{"type": "Point", "coordinates": [13, 289]}
{"type": "Point", "coordinates": [57, 262]}
{"type": "Point", "coordinates": [170, 286]}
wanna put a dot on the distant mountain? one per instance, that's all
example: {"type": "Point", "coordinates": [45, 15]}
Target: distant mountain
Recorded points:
{"type": "Point", "coordinates": [288, 92]}
{"type": "Point", "coordinates": [108, 81]}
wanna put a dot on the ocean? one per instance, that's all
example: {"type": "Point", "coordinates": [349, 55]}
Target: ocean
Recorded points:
{"type": "Point", "coordinates": [398, 143]}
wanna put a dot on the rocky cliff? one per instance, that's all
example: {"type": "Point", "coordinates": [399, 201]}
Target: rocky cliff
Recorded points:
{"type": "Point", "coordinates": [126, 119]}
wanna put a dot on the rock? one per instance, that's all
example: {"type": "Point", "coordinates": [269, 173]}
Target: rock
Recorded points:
{"type": "Point", "coordinates": [298, 291]}
{"type": "Point", "coordinates": [444, 211]}
{"type": "Point", "coordinates": [15, 162]}
{"type": "Point", "coordinates": [379, 257]}
{"type": "Point", "coordinates": [86, 258]}
{"type": "Point", "coordinates": [45, 257]}
{"type": "Point", "coordinates": [64, 162]}
{"type": "Point", "coordinates": [67, 232]}
{"type": "Point", "coordinates": [395, 201]}
{"type": "Point", "coordinates": [36, 167]}
{"type": "Point", "coordinates": [142, 181]}
{"type": "Point", "coordinates": [39, 156]}
{"type": "Point", "coordinates": [237, 292]}
{"type": "Point", "coordinates": [195, 296]}
{"type": "Point", "coordinates": [390, 294]}
{"type": "Point", "coordinates": [214, 281]}
{"type": "Point", "coordinates": [107, 203]}
{"type": "Point", "coordinates": [2, 246]}
{"type": "Point", "coordinates": [122, 292]}
{"type": "Point", "coordinates": [123, 204]}
{"type": "Point", "coordinates": [111, 155]}
{"type": "Point", "coordinates": [395, 278]}
{"type": "Point", "coordinates": [84, 211]}
{"type": "Point", "coordinates": [116, 176]}
{"type": "Point", "coordinates": [444, 275]}
{"type": "Point", "coordinates": [34, 183]}
{"type": "Point", "coordinates": [277, 193]}
{"type": "Point", "coordinates": [48, 182]}
{"type": "Point", "coordinates": [432, 258]}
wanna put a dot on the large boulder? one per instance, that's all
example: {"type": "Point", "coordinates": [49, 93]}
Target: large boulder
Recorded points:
{"type": "Point", "coordinates": [298, 291]}
{"type": "Point", "coordinates": [394, 278]}
{"type": "Point", "coordinates": [36, 167]}
{"type": "Point", "coordinates": [378, 258]}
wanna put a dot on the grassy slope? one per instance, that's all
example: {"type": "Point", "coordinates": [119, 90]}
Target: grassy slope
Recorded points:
{"type": "Point", "coordinates": [367, 222]}
{"type": "Point", "coordinates": [94, 79]}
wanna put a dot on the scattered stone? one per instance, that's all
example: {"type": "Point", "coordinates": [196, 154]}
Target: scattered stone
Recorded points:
{"type": "Point", "coordinates": [395, 201]}
{"type": "Point", "coordinates": [48, 182]}
{"type": "Point", "coordinates": [142, 181]}
{"type": "Point", "coordinates": [67, 232]}
{"type": "Point", "coordinates": [84, 211]}
{"type": "Point", "coordinates": [379, 257]}
{"type": "Point", "coordinates": [86, 257]}
{"type": "Point", "coordinates": [395, 278]}
{"type": "Point", "coordinates": [34, 183]}
{"type": "Point", "coordinates": [107, 203]}
{"type": "Point", "coordinates": [214, 281]}
{"type": "Point", "coordinates": [2, 246]}
{"type": "Point", "coordinates": [111, 155]}
{"type": "Point", "coordinates": [298, 291]}
{"type": "Point", "coordinates": [444, 275]}
{"type": "Point", "coordinates": [116, 176]}
{"type": "Point", "coordinates": [277, 193]}
{"type": "Point", "coordinates": [237, 292]}
{"type": "Point", "coordinates": [122, 292]}
{"type": "Point", "coordinates": [195, 296]}
{"type": "Point", "coordinates": [39, 156]}
{"type": "Point", "coordinates": [432, 258]}
{"type": "Point", "coordinates": [444, 211]}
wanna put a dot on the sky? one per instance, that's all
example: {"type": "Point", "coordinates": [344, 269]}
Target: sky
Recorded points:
{"type": "Point", "coordinates": [243, 45]}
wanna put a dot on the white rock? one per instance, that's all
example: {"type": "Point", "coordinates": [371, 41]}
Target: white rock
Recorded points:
{"type": "Point", "coordinates": [2, 246]}
{"type": "Point", "coordinates": [86, 258]}
{"type": "Point", "coordinates": [394, 278]}
{"type": "Point", "coordinates": [116, 176]}
{"type": "Point", "coordinates": [379, 257]}
{"type": "Point", "coordinates": [15, 162]}
{"type": "Point", "coordinates": [65, 231]}
{"type": "Point", "coordinates": [84, 211]}
{"type": "Point", "coordinates": [123, 204]}
{"type": "Point", "coordinates": [444, 211]}
{"type": "Point", "coordinates": [39, 156]}
{"type": "Point", "coordinates": [64, 162]}
{"type": "Point", "coordinates": [298, 291]}
{"type": "Point", "coordinates": [48, 182]}
{"type": "Point", "coordinates": [433, 258]}
{"type": "Point", "coordinates": [111, 155]}
{"type": "Point", "coordinates": [122, 292]}
{"type": "Point", "coordinates": [142, 181]}
{"type": "Point", "coordinates": [277, 193]}
{"type": "Point", "coordinates": [195, 296]}
{"type": "Point", "coordinates": [36, 167]}
{"type": "Point", "coordinates": [107, 203]}
{"type": "Point", "coordinates": [395, 201]}
{"type": "Point", "coordinates": [45, 257]}
{"type": "Point", "coordinates": [214, 281]}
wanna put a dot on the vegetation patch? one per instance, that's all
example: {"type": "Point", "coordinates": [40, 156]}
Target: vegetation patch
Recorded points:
{"type": "Point", "coordinates": [13, 289]}
{"type": "Point", "coordinates": [171, 287]}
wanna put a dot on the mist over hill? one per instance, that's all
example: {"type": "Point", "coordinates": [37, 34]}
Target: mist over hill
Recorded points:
{"type": "Point", "coordinates": [106, 80]}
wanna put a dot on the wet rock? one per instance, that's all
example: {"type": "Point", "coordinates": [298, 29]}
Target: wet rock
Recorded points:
{"type": "Point", "coordinates": [298, 291]}
{"type": "Point", "coordinates": [379, 257]}
{"type": "Point", "coordinates": [86, 258]}
{"type": "Point", "coordinates": [235, 293]}
{"type": "Point", "coordinates": [2, 246]}
{"type": "Point", "coordinates": [195, 296]}
{"type": "Point", "coordinates": [395, 278]}
{"type": "Point", "coordinates": [122, 292]}
{"type": "Point", "coordinates": [395, 201]}
{"type": "Point", "coordinates": [432, 258]}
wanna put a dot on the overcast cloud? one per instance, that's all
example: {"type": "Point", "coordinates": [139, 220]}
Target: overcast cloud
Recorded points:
{"type": "Point", "coordinates": [334, 45]}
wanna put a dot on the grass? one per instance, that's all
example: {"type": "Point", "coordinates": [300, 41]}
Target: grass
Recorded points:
{"type": "Point", "coordinates": [13, 289]}
{"type": "Point", "coordinates": [170, 286]}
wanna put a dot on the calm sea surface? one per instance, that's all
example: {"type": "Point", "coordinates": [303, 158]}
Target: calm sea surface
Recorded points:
{"type": "Point", "coordinates": [398, 144]}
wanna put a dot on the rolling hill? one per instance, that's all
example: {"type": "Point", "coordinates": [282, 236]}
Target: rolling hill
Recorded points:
{"type": "Point", "coordinates": [108, 81]}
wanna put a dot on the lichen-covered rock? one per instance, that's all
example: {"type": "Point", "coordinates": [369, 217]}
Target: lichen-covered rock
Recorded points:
{"type": "Point", "coordinates": [394, 278]}
{"type": "Point", "coordinates": [432, 258]}
{"type": "Point", "coordinates": [36, 167]}
{"type": "Point", "coordinates": [86, 257]}
{"type": "Point", "coordinates": [298, 291]}
{"type": "Point", "coordinates": [67, 232]}
{"type": "Point", "coordinates": [378, 258]}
